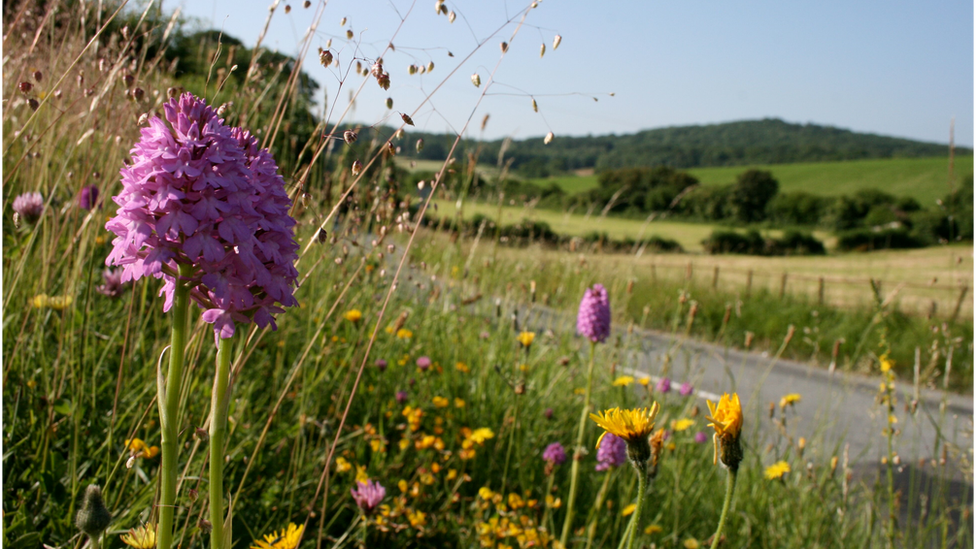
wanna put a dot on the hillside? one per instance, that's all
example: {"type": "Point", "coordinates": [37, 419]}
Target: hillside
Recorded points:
{"type": "Point", "coordinates": [744, 143]}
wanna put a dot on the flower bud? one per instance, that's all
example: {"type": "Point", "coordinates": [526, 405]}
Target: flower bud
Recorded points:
{"type": "Point", "coordinates": [93, 517]}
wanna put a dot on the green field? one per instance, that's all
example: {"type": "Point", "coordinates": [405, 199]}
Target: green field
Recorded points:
{"type": "Point", "coordinates": [689, 235]}
{"type": "Point", "coordinates": [924, 179]}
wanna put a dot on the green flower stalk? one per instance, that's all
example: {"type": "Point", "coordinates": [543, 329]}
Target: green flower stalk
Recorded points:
{"type": "Point", "coordinates": [218, 429]}
{"type": "Point", "coordinates": [726, 419]}
{"type": "Point", "coordinates": [578, 451]}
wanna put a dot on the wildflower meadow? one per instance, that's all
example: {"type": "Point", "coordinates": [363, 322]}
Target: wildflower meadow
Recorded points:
{"type": "Point", "coordinates": [231, 325]}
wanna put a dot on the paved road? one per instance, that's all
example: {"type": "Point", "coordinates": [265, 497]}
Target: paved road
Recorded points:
{"type": "Point", "coordinates": [841, 407]}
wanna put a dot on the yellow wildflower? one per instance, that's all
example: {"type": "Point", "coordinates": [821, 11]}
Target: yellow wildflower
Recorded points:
{"type": "Point", "coordinates": [777, 470]}
{"type": "Point", "coordinates": [440, 402]}
{"type": "Point", "coordinates": [553, 502]}
{"type": "Point", "coordinates": [287, 539]}
{"type": "Point", "coordinates": [451, 474]}
{"type": "Point", "coordinates": [628, 510]}
{"type": "Point", "coordinates": [353, 315]}
{"type": "Point", "coordinates": [630, 425]}
{"type": "Point", "coordinates": [653, 529]}
{"type": "Point", "coordinates": [458, 402]}
{"type": "Point", "coordinates": [462, 367]}
{"type": "Point", "coordinates": [623, 381]}
{"type": "Point", "coordinates": [361, 475]}
{"type": "Point", "coordinates": [789, 400]}
{"type": "Point", "coordinates": [682, 424]}
{"type": "Point", "coordinates": [342, 465]}
{"type": "Point", "coordinates": [56, 302]}
{"type": "Point", "coordinates": [481, 435]}
{"type": "Point", "coordinates": [404, 333]}
{"type": "Point", "coordinates": [644, 381]}
{"type": "Point", "coordinates": [417, 518]}
{"type": "Point", "coordinates": [886, 363]}
{"type": "Point", "coordinates": [726, 419]}
{"type": "Point", "coordinates": [526, 338]}
{"type": "Point", "coordinates": [141, 537]}
{"type": "Point", "coordinates": [691, 543]}
{"type": "Point", "coordinates": [403, 486]}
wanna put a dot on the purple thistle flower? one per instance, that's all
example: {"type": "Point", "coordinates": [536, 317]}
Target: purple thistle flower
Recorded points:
{"type": "Point", "coordinates": [612, 452]}
{"type": "Point", "coordinates": [401, 397]}
{"type": "Point", "coordinates": [113, 286]}
{"type": "Point", "coordinates": [701, 437]}
{"type": "Point", "coordinates": [368, 495]}
{"type": "Point", "coordinates": [686, 389]}
{"type": "Point", "coordinates": [29, 207]}
{"type": "Point", "coordinates": [202, 195]}
{"type": "Point", "coordinates": [381, 364]}
{"type": "Point", "coordinates": [423, 363]}
{"type": "Point", "coordinates": [593, 319]}
{"type": "Point", "coordinates": [664, 386]}
{"type": "Point", "coordinates": [88, 197]}
{"type": "Point", "coordinates": [554, 454]}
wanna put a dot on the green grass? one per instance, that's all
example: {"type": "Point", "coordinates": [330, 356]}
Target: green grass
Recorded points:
{"type": "Point", "coordinates": [572, 184]}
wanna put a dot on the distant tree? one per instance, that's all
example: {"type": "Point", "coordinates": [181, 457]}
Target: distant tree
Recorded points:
{"type": "Point", "coordinates": [750, 195]}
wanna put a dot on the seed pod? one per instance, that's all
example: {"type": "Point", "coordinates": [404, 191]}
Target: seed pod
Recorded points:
{"type": "Point", "coordinates": [34, 104]}
{"type": "Point", "coordinates": [476, 80]}
{"type": "Point", "coordinates": [328, 43]}
{"type": "Point", "coordinates": [357, 167]}
{"type": "Point", "coordinates": [504, 46]}
{"type": "Point", "coordinates": [38, 76]}
{"type": "Point", "coordinates": [349, 137]}
{"type": "Point", "coordinates": [377, 69]}
{"type": "Point", "coordinates": [93, 517]}
{"type": "Point", "coordinates": [343, 22]}
{"type": "Point", "coordinates": [556, 41]}
{"type": "Point", "coordinates": [420, 144]}
{"type": "Point", "coordinates": [443, 10]}
{"type": "Point", "coordinates": [412, 69]}
{"type": "Point", "coordinates": [548, 138]}
{"type": "Point", "coordinates": [349, 34]}
{"type": "Point", "coordinates": [384, 81]}
{"type": "Point", "coordinates": [535, 106]}
{"type": "Point", "coordinates": [390, 149]}
{"type": "Point", "coordinates": [389, 102]}
{"type": "Point", "coordinates": [484, 122]}
{"type": "Point", "coordinates": [307, 4]}
{"type": "Point", "coordinates": [542, 50]}
{"type": "Point", "coordinates": [399, 134]}
{"type": "Point", "coordinates": [406, 118]}
{"type": "Point", "coordinates": [359, 67]}
{"type": "Point", "coordinates": [437, 6]}
{"type": "Point", "coordinates": [325, 57]}
{"type": "Point", "coordinates": [430, 66]}
{"type": "Point", "coordinates": [451, 17]}
{"type": "Point", "coordinates": [287, 9]}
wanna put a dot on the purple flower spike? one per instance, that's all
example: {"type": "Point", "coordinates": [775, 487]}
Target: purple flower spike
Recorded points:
{"type": "Point", "coordinates": [554, 454]}
{"type": "Point", "coordinates": [380, 364]}
{"type": "Point", "coordinates": [664, 386]}
{"type": "Point", "coordinates": [686, 389]}
{"type": "Point", "coordinates": [88, 197]}
{"type": "Point", "coordinates": [612, 452]}
{"type": "Point", "coordinates": [593, 319]}
{"type": "Point", "coordinates": [701, 437]}
{"type": "Point", "coordinates": [368, 495]}
{"type": "Point", "coordinates": [401, 397]}
{"type": "Point", "coordinates": [29, 207]}
{"type": "Point", "coordinates": [201, 195]}
{"type": "Point", "coordinates": [423, 363]}
{"type": "Point", "coordinates": [113, 287]}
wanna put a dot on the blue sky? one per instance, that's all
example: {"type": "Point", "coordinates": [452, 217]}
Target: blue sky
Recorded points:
{"type": "Point", "coordinates": [894, 68]}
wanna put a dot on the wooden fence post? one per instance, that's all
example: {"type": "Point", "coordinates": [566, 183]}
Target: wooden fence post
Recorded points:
{"type": "Point", "coordinates": [749, 283]}
{"type": "Point", "coordinates": [782, 287]}
{"type": "Point", "coordinates": [688, 272]}
{"type": "Point", "coordinates": [962, 296]}
{"type": "Point", "coordinates": [820, 291]}
{"type": "Point", "coordinates": [715, 278]}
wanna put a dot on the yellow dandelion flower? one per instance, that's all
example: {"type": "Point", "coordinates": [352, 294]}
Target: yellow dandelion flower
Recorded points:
{"type": "Point", "coordinates": [789, 400]}
{"type": "Point", "coordinates": [404, 333]}
{"type": "Point", "coordinates": [480, 435]}
{"type": "Point", "coordinates": [629, 510]}
{"type": "Point", "coordinates": [691, 543]}
{"type": "Point", "coordinates": [682, 424]}
{"type": "Point", "coordinates": [726, 419]}
{"type": "Point", "coordinates": [458, 402]}
{"type": "Point", "coordinates": [777, 470]}
{"type": "Point", "coordinates": [353, 315]}
{"type": "Point", "coordinates": [645, 381]}
{"type": "Point", "coordinates": [342, 465]}
{"type": "Point", "coordinates": [141, 537]}
{"type": "Point", "coordinates": [623, 381]}
{"type": "Point", "coordinates": [451, 474]}
{"type": "Point", "coordinates": [653, 529]}
{"type": "Point", "coordinates": [630, 425]}
{"type": "Point", "coordinates": [440, 402]}
{"type": "Point", "coordinates": [462, 367]}
{"type": "Point", "coordinates": [526, 338]}
{"type": "Point", "coordinates": [286, 539]}
{"type": "Point", "coordinates": [579, 391]}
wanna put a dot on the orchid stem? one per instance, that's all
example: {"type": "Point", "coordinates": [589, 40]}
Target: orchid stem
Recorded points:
{"type": "Point", "coordinates": [218, 430]}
